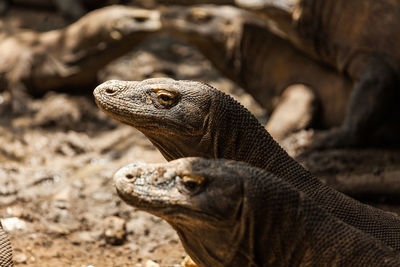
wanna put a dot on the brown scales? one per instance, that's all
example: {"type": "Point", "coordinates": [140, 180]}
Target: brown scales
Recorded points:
{"type": "Point", "coordinates": [249, 51]}
{"type": "Point", "coordinates": [5, 249]}
{"type": "Point", "coordinates": [359, 39]}
{"type": "Point", "coordinates": [189, 118]}
{"type": "Point", "coordinates": [228, 213]}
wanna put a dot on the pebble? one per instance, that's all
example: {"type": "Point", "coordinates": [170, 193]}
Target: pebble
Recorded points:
{"type": "Point", "coordinates": [13, 224]}
{"type": "Point", "coordinates": [150, 263]}
{"type": "Point", "coordinates": [20, 258]}
{"type": "Point", "coordinates": [188, 262]}
{"type": "Point", "coordinates": [114, 230]}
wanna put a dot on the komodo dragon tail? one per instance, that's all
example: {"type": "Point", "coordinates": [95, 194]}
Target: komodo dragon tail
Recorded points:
{"type": "Point", "coordinates": [5, 249]}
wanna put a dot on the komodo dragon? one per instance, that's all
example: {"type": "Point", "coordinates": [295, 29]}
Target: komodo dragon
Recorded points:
{"type": "Point", "coordinates": [5, 249]}
{"type": "Point", "coordinates": [246, 49]}
{"type": "Point", "coordinates": [228, 213]}
{"type": "Point", "coordinates": [70, 58]}
{"type": "Point", "coordinates": [358, 37]}
{"type": "Point", "coordinates": [187, 118]}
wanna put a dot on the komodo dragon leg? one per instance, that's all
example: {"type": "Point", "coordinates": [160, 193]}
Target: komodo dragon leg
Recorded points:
{"type": "Point", "coordinates": [371, 102]}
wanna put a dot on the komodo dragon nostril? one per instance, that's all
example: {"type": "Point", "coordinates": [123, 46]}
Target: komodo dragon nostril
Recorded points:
{"type": "Point", "coordinates": [129, 176]}
{"type": "Point", "coordinates": [141, 19]}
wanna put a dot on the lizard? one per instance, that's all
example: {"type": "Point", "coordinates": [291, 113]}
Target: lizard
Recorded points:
{"type": "Point", "coordinates": [5, 249]}
{"type": "Point", "coordinates": [70, 58]}
{"type": "Point", "coordinates": [249, 51]}
{"type": "Point", "coordinates": [359, 39]}
{"type": "Point", "coordinates": [228, 213]}
{"type": "Point", "coordinates": [193, 119]}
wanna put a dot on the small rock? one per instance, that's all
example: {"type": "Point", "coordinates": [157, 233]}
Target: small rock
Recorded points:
{"type": "Point", "coordinates": [188, 262]}
{"type": "Point", "coordinates": [85, 237]}
{"type": "Point", "coordinates": [13, 224]}
{"type": "Point", "coordinates": [114, 230]}
{"type": "Point", "coordinates": [20, 258]}
{"type": "Point", "coordinates": [151, 263]}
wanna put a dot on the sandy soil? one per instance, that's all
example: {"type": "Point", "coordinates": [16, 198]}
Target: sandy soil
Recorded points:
{"type": "Point", "coordinates": [57, 200]}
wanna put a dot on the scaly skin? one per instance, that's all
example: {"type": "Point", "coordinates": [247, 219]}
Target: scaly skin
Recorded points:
{"type": "Point", "coordinates": [5, 249]}
{"type": "Point", "coordinates": [228, 213]}
{"type": "Point", "coordinates": [358, 38]}
{"type": "Point", "coordinates": [187, 118]}
{"type": "Point", "coordinates": [248, 50]}
{"type": "Point", "coordinates": [70, 58]}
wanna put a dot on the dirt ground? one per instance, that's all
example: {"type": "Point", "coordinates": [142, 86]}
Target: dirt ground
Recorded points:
{"type": "Point", "coordinates": [57, 200]}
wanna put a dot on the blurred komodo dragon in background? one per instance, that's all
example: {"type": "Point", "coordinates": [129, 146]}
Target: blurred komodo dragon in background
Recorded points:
{"type": "Point", "coordinates": [70, 58]}
{"type": "Point", "coordinates": [5, 249]}
{"type": "Point", "coordinates": [192, 119]}
{"type": "Point", "coordinates": [228, 213]}
{"type": "Point", "coordinates": [358, 37]}
{"type": "Point", "coordinates": [246, 49]}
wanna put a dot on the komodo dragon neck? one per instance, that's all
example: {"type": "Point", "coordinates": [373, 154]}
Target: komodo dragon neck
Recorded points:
{"type": "Point", "coordinates": [225, 129]}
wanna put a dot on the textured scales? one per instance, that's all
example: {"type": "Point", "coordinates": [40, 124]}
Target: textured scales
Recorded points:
{"type": "Point", "coordinates": [359, 39]}
{"type": "Point", "coordinates": [71, 57]}
{"type": "Point", "coordinates": [247, 50]}
{"type": "Point", "coordinates": [5, 249]}
{"type": "Point", "coordinates": [228, 213]}
{"type": "Point", "coordinates": [187, 118]}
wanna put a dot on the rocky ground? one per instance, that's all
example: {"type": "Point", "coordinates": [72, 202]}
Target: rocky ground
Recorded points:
{"type": "Point", "coordinates": [57, 200]}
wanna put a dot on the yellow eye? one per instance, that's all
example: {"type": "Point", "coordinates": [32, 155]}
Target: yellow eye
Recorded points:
{"type": "Point", "coordinates": [166, 98]}
{"type": "Point", "coordinates": [192, 182]}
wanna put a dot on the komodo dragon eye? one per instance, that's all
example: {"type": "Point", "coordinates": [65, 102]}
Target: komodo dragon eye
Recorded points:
{"type": "Point", "coordinates": [166, 98]}
{"type": "Point", "coordinates": [192, 183]}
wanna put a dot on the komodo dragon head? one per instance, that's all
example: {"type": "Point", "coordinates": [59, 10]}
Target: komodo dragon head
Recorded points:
{"type": "Point", "coordinates": [202, 200]}
{"type": "Point", "coordinates": [181, 118]}
{"type": "Point", "coordinates": [215, 30]}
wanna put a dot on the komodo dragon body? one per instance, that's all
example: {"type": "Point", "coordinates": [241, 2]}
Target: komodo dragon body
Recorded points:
{"type": "Point", "coordinates": [187, 118]}
{"type": "Point", "coordinates": [5, 249]}
{"type": "Point", "coordinates": [228, 213]}
{"type": "Point", "coordinates": [247, 50]}
{"type": "Point", "coordinates": [70, 58]}
{"type": "Point", "coordinates": [358, 37]}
